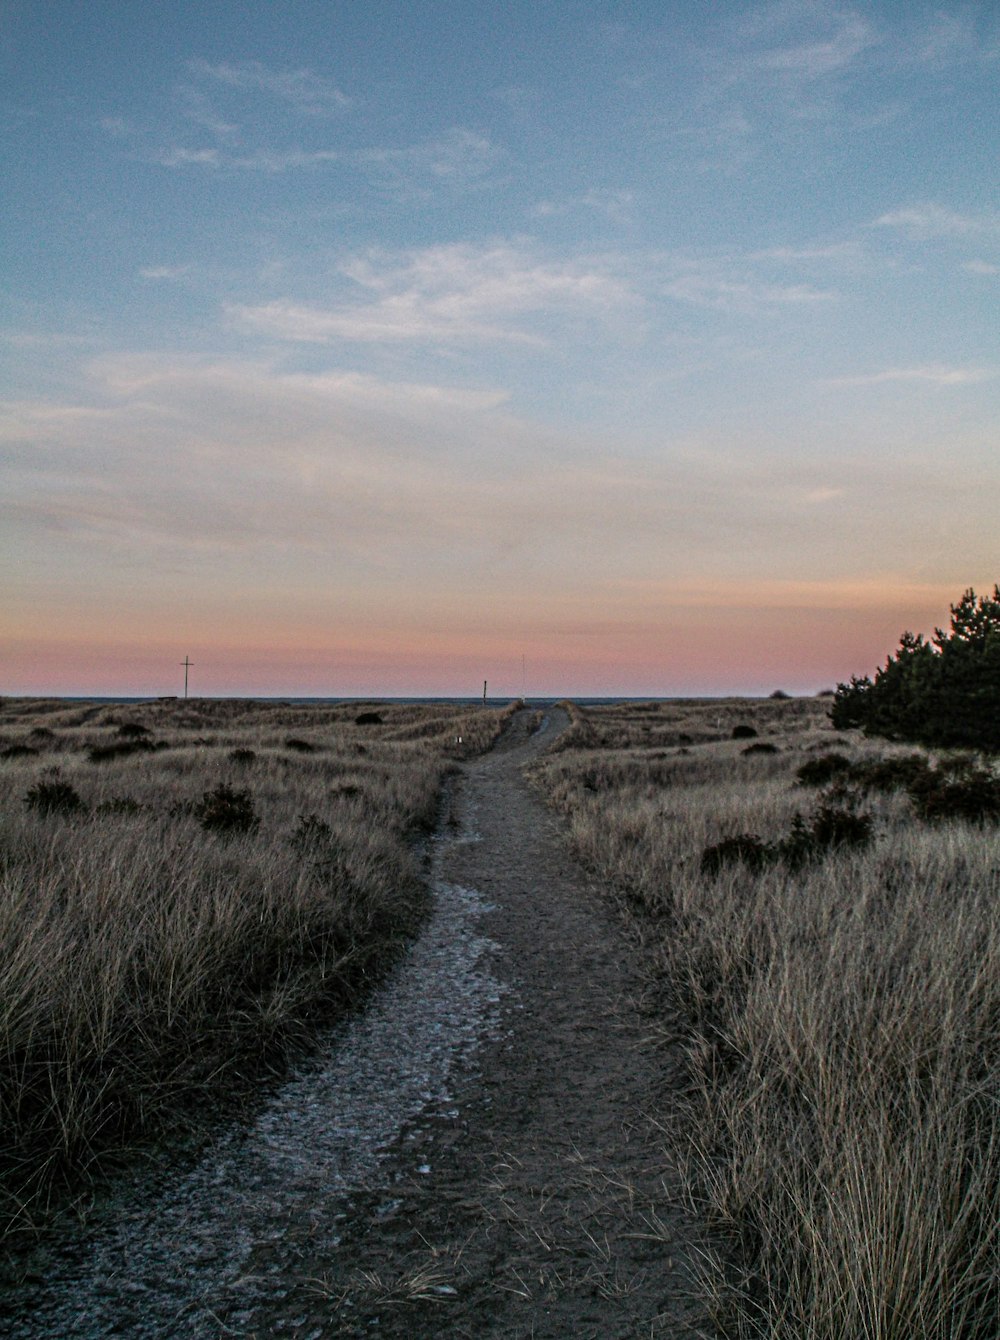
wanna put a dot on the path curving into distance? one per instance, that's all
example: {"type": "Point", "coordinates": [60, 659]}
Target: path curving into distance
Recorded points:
{"type": "Point", "coordinates": [470, 1156]}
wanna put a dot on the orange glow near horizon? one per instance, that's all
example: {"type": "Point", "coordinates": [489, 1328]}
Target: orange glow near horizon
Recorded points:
{"type": "Point", "coordinates": [694, 648]}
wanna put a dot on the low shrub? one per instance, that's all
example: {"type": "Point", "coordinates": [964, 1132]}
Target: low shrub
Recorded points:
{"type": "Point", "coordinates": [974, 793]}
{"type": "Point", "coordinates": [300, 746]}
{"type": "Point", "coordinates": [820, 771]}
{"type": "Point", "coordinates": [828, 828]}
{"type": "Point", "coordinates": [226, 811]}
{"type": "Point", "coordinates": [120, 805]}
{"type": "Point", "coordinates": [834, 827]}
{"type": "Point", "coordinates": [242, 757]}
{"type": "Point", "coordinates": [958, 788]}
{"type": "Point", "coordinates": [368, 719]}
{"type": "Point", "coordinates": [891, 774]}
{"type": "Point", "coordinates": [107, 753]}
{"type": "Point", "coordinates": [131, 730]}
{"type": "Point", "coordinates": [18, 751]}
{"type": "Point", "coordinates": [743, 848]}
{"type": "Point", "coordinates": [761, 747]}
{"type": "Point", "coordinates": [54, 797]}
{"type": "Point", "coordinates": [744, 732]}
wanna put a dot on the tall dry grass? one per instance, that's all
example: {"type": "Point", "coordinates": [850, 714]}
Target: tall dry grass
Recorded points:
{"type": "Point", "coordinates": [148, 964]}
{"type": "Point", "coordinates": [842, 1023]}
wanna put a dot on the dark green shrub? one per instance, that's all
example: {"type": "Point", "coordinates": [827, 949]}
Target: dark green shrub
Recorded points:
{"type": "Point", "coordinates": [945, 692]}
{"type": "Point", "coordinates": [781, 695]}
{"type": "Point", "coordinates": [368, 719]}
{"type": "Point", "coordinates": [300, 746]}
{"type": "Point", "coordinates": [18, 751]}
{"type": "Point", "coordinates": [41, 733]}
{"type": "Point", "coordinates": [226, 811]}
{"type": "Point", "coordinates": [54, 797]}
{"type": "Point", "coordinates": [744, 848]}
{"type": "Point", "coordinates": [743, 732]}
{"type": "Point", "coordinates": [797, 847]}
{"type": "Point", "coordinates": [828, 828]}
{"type": "Point", "coordinates": [820, 771]}
{"type": "Point", "coordinates": [973, 794]}
{"type": "Point", "coordinates": [832, 827]}
{"type": "Point", "coordinates": [131, 730]}
{"type": "Point", "coordinates": [107, 753]}
{"type": "Point", "coordinates": [242, 757]}
{"type": "Point", "coordinates": [891, 774]}
{"type": "Point", "coordinates": [761, 747]}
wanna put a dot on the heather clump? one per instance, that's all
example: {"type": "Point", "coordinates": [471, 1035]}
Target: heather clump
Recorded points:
{"type": "Point", "coordinates": [820, 771]}
{"type": "Point", "coordinates": [828, 828]}
{"type": "Point", "coordinates": [54, 796]}
{"type": "Point", "coordinates": [226, 810]}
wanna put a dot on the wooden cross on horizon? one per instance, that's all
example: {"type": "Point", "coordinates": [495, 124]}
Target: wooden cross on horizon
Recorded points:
{"type": "Point", "coordinates": [186, 664]}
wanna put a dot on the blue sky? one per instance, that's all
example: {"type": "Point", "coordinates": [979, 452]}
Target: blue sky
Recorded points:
{"type": "Point", "coordinates": [367, 348]}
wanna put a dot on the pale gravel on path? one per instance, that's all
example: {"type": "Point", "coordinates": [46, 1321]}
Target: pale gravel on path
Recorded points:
{"type": "Point", "coordinates": [539, 1204]}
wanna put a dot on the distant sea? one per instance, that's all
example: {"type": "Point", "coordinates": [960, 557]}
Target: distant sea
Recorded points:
{"type": "Point", "coordinates": [356, 698]}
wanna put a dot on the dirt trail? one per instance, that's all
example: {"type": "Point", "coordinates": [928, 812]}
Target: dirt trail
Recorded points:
{"type": "Point", "coordinates": [536, 1204]}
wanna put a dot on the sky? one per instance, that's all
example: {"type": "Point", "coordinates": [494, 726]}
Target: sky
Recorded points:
{"type": "Point", "coordinates": [369, 349]}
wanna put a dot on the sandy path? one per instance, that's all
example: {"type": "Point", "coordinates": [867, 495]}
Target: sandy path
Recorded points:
{"type": "Point", "coordinates": [535, 1204]}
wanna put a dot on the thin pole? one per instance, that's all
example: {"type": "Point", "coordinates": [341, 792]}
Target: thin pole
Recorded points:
{"type": "Point", "coordinates": [186, 663]}
{"type": "Point", "coordinates": [484, 692]}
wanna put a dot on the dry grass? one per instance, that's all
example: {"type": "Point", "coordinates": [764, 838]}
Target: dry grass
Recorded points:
{"type": "Point", "coordinates": [843, 1023]}
{"type": "Point", "coordinates": [151, 965]}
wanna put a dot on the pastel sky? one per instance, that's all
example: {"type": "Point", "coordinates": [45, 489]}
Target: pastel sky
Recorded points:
{"type": "Point", "coordinates": [361, 348]}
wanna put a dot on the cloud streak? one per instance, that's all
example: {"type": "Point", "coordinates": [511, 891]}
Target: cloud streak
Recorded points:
{"type": "Point", "coordinates": [302, 89]}
{"type": "Point", "coordinates": [929, 221]}
{"type": "Point", "coordinates": [935, 374]}
{"type": "Point", "coordinates": [445, 295]}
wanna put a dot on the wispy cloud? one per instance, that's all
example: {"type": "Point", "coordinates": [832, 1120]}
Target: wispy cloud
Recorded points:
{"type": "Point", "coordinates": [705, 289]}
{"type": "Point", "coordinates": [164, 271]}
{"type": "Point", "coordinates": [458, 157]}
{"type": "Point", "coordinates": [798, 49]}
{"type": "Point", "coordinates": [802, 41]}
{"type": "Point", "coordinates": [445, 295]}
{"type": "Point", "coordinates": [935, 373]}
{"type": "Point", "coordinates": [614, 204]}
{"type": "Point", "coordinates": [303, 89]}
{"type": "Point", "coordinates": [284, 160]}
{"type": "Point", "coordinates": [178, 156]}
{"type": "Point", "coordinates": [944, 39]}
{"type": "Point", "coordinates": [834, 252]}
{"type": "Point", "coordinates": [930, 220]}
{"type": "Point", "coordinates": [240, 457]}
{"type": "Point", "coordinates": [978, 267]}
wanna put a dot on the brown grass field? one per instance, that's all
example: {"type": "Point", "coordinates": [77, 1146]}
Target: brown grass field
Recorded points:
{"type": "Point", "coordinates": [233, 873]}
{"type": "Point", "coordinates": [188, 888]}
{"type": "Point", "coordinates": [841, 1012]}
